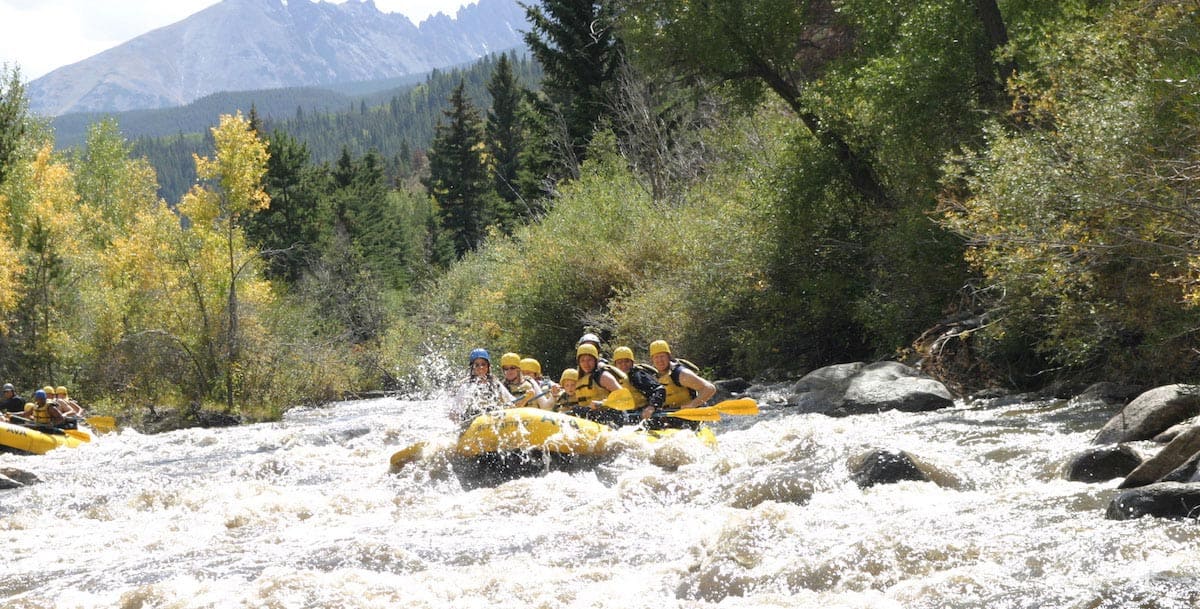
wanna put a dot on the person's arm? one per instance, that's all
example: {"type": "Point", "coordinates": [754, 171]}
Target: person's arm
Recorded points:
{"type": "Point", "coordinates": [649, 386]}
{"type": "Point", "coordinates": [56, 415]}
{"type": "Point", "coordinates": [546, 402]}
{"type": "Point", "coordinates": [704, 389]}
{"type": "Point", "coordinates": [609, 382]}
{"type": "Point", "coordinates": [506, 399]}
{"type": "Point", "coordinates": [525, 392]}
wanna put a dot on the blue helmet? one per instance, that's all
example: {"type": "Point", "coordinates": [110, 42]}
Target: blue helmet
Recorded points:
{"type": "Point", "coordinates": [479, 353]}
{"type": "Point", "coordinates": [39, 394]}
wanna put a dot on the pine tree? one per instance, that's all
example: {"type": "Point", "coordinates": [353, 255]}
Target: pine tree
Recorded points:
{"type": "Point", "coordinates": [294, 228]}
{"type": "Point", "coordinates": [576, 44]}
{"type": "Point", "coordinates": [504, 138]}
{"type": "Point", "coordinates": [458, 178]}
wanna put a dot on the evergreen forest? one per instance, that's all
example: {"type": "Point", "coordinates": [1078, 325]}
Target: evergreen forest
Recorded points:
{"type": "Point", "coordinates": [999, 191]}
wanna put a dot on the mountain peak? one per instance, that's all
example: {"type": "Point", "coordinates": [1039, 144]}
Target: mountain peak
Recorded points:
{"type": "Point", "coordinates": [259, 44]}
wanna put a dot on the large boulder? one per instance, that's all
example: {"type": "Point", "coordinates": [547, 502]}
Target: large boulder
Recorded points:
{"type": "Point", "coordinates": [1170, 458]}
{"type": "Point", "coordinates": [893, 386]}
{"type": "Point", "coordinates": [858, 388]}
{"type": "Point", "coordinates": [1151, 413]}
{"type": "Point", "coordinates": [1164, 500]}
{"type": "Point", "coordinates": [821, 390]}
{"type": "Point", "coordinates": [1103, 463]}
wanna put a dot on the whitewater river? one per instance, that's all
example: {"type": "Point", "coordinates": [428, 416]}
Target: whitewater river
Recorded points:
{"type": "Point", "coordinates": [304, 513]}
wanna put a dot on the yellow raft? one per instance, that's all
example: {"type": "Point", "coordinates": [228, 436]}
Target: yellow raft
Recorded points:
{"type": "Point", "coordinates": [27, 440]}
{"type": "Point", "coordinates": [526, 429]}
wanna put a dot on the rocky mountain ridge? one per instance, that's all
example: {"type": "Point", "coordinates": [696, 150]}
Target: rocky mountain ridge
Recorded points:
{"type": "Point", "coordinates": [261, 44]}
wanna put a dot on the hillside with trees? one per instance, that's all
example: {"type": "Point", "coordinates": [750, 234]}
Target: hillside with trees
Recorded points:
{"type": "Point", "coordinates": [397, 124]}
{"type": "Point", "coordinates": [1003, 191]}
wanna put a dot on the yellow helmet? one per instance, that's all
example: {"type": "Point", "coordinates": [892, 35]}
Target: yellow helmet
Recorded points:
{"type": "Point", "coordinates": [62, 390]}
{"type": "Point", "coordinates": [659, 346]}
{"type": "Point", "coordinates": [531, 366]}
{"type": "Point", "coordinates": [48, 389]}
{"type": "Point", "coordinates": [621, 353]}
{"type": "Point", "coordinates": [510, 360]}
{"type": "Point", "coordinates": [587, 349]}
{"type": "Point", "coordinates": [570, 374]}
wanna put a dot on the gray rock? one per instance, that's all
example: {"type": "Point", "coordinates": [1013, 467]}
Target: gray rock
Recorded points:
{"type": "Point", "coordinates": [13, 478]}
{"type": "Point", "coordinates": [1185, 472]}
{"type": "Point", "coordinates": [885, 467]}
{"type": "Point", "coordinates": [1170, 458]}
{"type": "Point", "coordinates": [732, 386]}
{"type": "Point", "coordinates": [1173, 431]}
{"type": "Point", "coordinates": [1150, 414]}
{"type": "Point", "coordinates": [830, 378]}
{"type": "Point", "coordinates": [1103, 463]}
{"type": "Point", "coordinates": [893, 386]}
{"type": "Point", "coordinates": [821, 391]}
{"type": "Point", "coordinates": [1106, 395]}
{"type": "Point", "coordinates": [1163, 500]}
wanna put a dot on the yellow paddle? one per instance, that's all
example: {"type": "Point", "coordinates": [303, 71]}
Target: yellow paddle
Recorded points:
{"type": "Point", "coordinates": [692, 414]}
{"type": "Point", "coordinates": [738, 407]}
{"type": "Point", "coordinates": [621, 399]}
{"type": "Point", "coordinates": [101, 424]}
{"type": "Point", "coordinates": [81, 435]}
{"type": "Point", "coordinates": [401, 457]}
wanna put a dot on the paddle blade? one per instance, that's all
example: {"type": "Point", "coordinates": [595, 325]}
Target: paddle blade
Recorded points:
{"type": "Point", "coordinates": [81, 435]}
{"type": "Point", "coordinates": [708, 414]}
{"type": "Point", "coordinates": [743, 406]}
{"type": "Point", "coordinates": [101, 424]}
{"type": "Point", "coordinates": [407, 455]}
{"type": "Point", "coordinates": [620, 399]}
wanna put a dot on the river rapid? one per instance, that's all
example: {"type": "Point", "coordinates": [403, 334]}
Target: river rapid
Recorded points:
{"type": "Point", "coordinates": [304, 513]}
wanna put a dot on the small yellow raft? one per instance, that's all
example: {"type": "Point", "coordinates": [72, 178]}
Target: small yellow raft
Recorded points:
{"type": "Point", "coordinates": [27, 440]}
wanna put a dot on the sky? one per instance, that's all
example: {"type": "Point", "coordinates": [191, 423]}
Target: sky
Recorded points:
{"type": "Point", "coordinates": [41, 35]}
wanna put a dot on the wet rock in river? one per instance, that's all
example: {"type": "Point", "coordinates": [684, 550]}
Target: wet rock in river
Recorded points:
{"type": "Point", "coordinates": [1105, 397]}
{"type": "Point", "coordinates": [1163, 500]}
{"type": "Point", "coordinates": [1103, 463]}
{"type": "Point", "coordinates": [1151, 413]}
{"type": "Point", "coordinates": [893, 386]}
{"type": "Point", "coordinates": [885, 467]}
{"type": "Point", "coordinates": [10, 477]}
{"type": "Point", "coordinates": [1175, 454]}
{"type": "Point", "coordinates": [1174, 431]}
{"type": "Point", "coordinates": [857, 388]}
{"type": "Point", "coordinates": [1186, 472]}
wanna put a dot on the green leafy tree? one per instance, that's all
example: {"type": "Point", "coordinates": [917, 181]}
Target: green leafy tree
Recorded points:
{"type": "Point", "coordinates": [756, 46]}
{"type": "Point", "coordinates": [1082, 217]}
{"type": "Point", "coordinates": [215, 211]}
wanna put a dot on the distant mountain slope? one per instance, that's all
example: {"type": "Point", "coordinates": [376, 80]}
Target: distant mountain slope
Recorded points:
{"type": "Point", "coordinates": [241, 45]}
{"type": "Point", "coordinates": [197, 116]}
